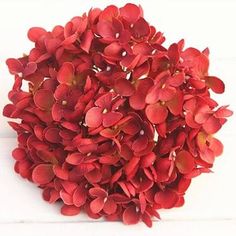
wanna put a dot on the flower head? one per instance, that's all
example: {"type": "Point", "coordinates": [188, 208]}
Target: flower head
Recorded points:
{"type": "Point", "coordinates": [113, 123]}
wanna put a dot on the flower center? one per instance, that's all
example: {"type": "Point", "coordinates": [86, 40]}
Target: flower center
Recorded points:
{"type": "Point", "coordinates": [163, 86]}
{"type": "Point", "coordinates": [124, 54]}
{"type": "Point", "coordinates": [108, 68]}
{"type": "Point", "coordinates": [117, 35]}
{"type": "Point", "coordinates": [141, 132]}
{"type": "Point", "coordinates": [64, 102]}
{"type": "Point", "coordinates": [105, 111]}
{"type": "Point", "coordinates": [154, 51]}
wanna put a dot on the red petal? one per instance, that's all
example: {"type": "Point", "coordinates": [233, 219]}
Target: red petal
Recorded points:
{"type": "Point", "coordinates": [183, 185]}
{"type": "Point", "coordinates": [131, 166]}
{"type": "Point", "coordinates": [216, 146]}
{"type": "Point", "coordinates": [75, 158]}
{"type": "Point", "coordinates": [167, 93]}
{"type": "Point", "coordinates": [35, 33]}
{"type": "Point", "coordinates": [50, 195]}
{"type": "Point", "coordinates": [202, 65]}
{"type": "Point", "coordinates": [201, 117]}
{"type": "Point", "coordinates": [132, 127]}
{"type": "Point", "coordinates": [86, 145]}
{"type": "Point", "coordinates": [131, 216]}
{"type": "Point", "coordinates": [60, 172]}
{"type": "Point", "coordinates": [42, 174]}
{"type": "Point", "coordinates": [119, 198]}
{"type": "Point", "coordinates": [145, 185]}
{"type": "Point", "coordinates": [14, 66]}
{"type": "Point", "coordinates": [196, 83]}
{"type": "Point", "coordinates": [105, 29]}
{"type": "Point", "coordinates": [97, 205]}
{"type": "Point", "coordinates": [44, 99]}
{"type": "Point", "coordinates": [113, 50]}
{"type": "Point", "coordinates": [130, 61]}
{"type": "Point", "coordinates": [163, 166]}
{"type": "Point", "coordinates": [52, 45]}
{"type": "Point", "coordinates": [130, 12]}
{"type": "Point", "coordinates": [98, 192]}
{"type": "Point", "coordinates": [79, 197]}
{"type": "Point", "coordinates": [140, 143]}
{"type": "Point", "coordinates": [109, 12]}
{"type": "Point", "coordinates": [69, 186]}
{"type": "Point", "coordinates": [173, 53]}
{"type": "Point", "coordinates": [166, 199]}
{"type": "Point", "coordinates": [184, 162]}
{"type": "Point", "coordinates": [124, 87]}
{"type": "Point", "coordinates": [148, 160]}
{"type": "Point", "coordinates": [156, 113]}
{"type": "Point", "coordinates": [86, 41]}
{"type": "Point", "coordinates": [111, 118]}
{"type": "Point", "coordinates": [30, 68]}
{"type": "Point", "coordinates": [109, 133]}
{"type": "Point", "coordinates": [137, 101]}
{"type": "Point", "coordinates": [94, 176]}
{"type": "Point", "coordinates": [66, 73]}
{"type": "Point", "coordinates": [190, 53]}
{"type": "Point", "coordinates": [93, 117]}
{"type": "Point", "coordinates": [143, 49]}
{"type": "Point", "coordinates": [109, 160]}
{"type": "Point", "coordinates": [57, 112]}
{"type": "Point", "coordinates": [8, 110]}
{"type": "Point", "coordinates": [175, 105]}
{"type": "Point", "coordinates": [196, 172]}
{"type": "Point", "coordinates": [141, 28]}
{"type": "Point", "coordinates": [147, 219]}
{"type": "Point", "coordinates": [70, 40]}
{"type": "Point", "coordinates": [52, 135]}
{"type": "Point", "coordinates": [124, 188]}
{"type": "Point", "coordinates": [70, 210]}
{"type": "Point", "coordinates": [47, 156]}
{"type": "Point", "coordinates": [153, 95]}
{"type": "Point", "coordinates": [19, 154]}
{"type": "Point", "coordinates": [109, 206]}
{"type": "Point", "coordinates": [177, 79]}
{"type": "Point", "coordinates": [212, 125]}
{"type": "Point", "coordinates": [223, 112]}
{"type": "Point", "coordinates": [207, 155]}
{"type": "Point", "coordinates": [141, 71]}
{"type": "Point", "coordinates": [143, 202]}
{"type": "Point", "coordinates": [66, 197]}
{"type": "Point", "coordinates": [215, 84]}
{"type": "Point", "coordinates": [126, 152]}
{"type": "Point", "coordinates": [104, 101]}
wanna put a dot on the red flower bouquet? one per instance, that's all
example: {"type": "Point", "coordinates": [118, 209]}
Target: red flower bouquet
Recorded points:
{"type": "Point", "coordinates": [113, 123]}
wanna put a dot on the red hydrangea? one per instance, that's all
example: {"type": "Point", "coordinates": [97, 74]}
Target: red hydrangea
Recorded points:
{"type": "Point", "coordinates": [113, 123]}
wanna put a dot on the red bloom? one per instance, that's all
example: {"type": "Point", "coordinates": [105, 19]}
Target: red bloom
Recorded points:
{"type": "Point", "coordinates": [102, 201]}
{"type": "Point", "coordinates": [104, 113]}
{"type": "Point", "coordinates": [113, 123]}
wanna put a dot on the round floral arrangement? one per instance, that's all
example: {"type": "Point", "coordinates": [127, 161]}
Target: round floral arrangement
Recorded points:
{"type": "Point", "coordinates": [111, 122]}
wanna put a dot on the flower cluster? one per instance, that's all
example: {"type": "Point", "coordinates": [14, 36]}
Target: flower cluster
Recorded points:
{"type": "Point", "coordinates": [113, 123]}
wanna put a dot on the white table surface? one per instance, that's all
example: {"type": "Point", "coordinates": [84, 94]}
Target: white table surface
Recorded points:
{"type": "Point", "coordinates": [211, 200]}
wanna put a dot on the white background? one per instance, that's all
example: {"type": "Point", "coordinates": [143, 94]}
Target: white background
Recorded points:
{"type": "Point", "coordinates": [211, 200]}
